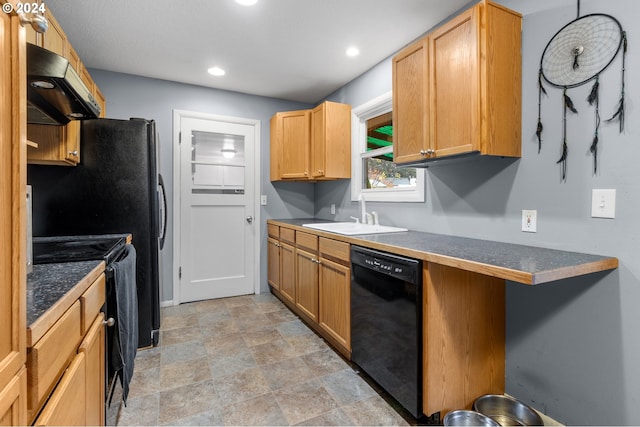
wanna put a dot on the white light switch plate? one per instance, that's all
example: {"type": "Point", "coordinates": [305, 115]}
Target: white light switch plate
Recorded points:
{"type": "Point", "coordinates": [263, 200]}
{"type": "Point", "coordinates": [529, 220]}
{"type": "Point", "coordinates": [603, 203]}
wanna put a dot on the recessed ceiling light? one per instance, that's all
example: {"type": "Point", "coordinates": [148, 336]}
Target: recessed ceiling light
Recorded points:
{"type": "Point", "coordinates": [247, 2]}
{"type": "Point", "coordinates": [353, 51]}
{"type": "Point", "coordinates": [216, 71]}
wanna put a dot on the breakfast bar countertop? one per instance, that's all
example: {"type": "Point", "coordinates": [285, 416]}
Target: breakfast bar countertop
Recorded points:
{"type": "Point", "coordinates": [520, 263]}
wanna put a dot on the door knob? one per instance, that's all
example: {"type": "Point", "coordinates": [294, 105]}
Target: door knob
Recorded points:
{"type": "Point", "coordinates": [249, 219]}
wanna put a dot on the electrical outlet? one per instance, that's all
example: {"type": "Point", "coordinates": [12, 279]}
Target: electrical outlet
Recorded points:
{"type": "Point", "coordinates": [333, 209]}
{"type": "Point", "coordinates": [529, 220]}
{"type": "Point", "coordinates": [603, 203]}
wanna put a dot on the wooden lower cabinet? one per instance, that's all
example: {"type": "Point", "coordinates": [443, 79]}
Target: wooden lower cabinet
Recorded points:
{"type": "Point", "coordinates": [66, 363]}
{"type": "Point", "coordinates": [13, 401]}
{"type": "Point", "coordinates": [334, 314]}
{"type": "Point", "coordinates": [312, 276]}
{"type": "Point", "coordinates": [93, 347]}
{"type": "Point", "coordinates": [463, 337]}
{"type": "Point", "coordinates": [307, 283]}
{"type": "Point", "coordinates": [288, 272]}
{"type": "Point", "coordinates": [67, 404]}
{"type": "Point", "coordinates": [273, 256]}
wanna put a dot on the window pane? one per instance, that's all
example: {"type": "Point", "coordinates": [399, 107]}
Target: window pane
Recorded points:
{"type": "Point", "coordinates": [382, 173]}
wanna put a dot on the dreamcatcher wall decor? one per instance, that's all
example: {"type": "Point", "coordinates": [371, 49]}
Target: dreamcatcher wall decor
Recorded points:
{"type": "Point", "coordinates": [577, 54]}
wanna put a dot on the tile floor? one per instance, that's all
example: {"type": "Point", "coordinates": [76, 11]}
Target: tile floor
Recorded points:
{"type": "Point", "coordinates": [247, 361]}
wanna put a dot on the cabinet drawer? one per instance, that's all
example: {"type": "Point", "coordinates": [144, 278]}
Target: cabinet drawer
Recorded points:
{"type": "Point", "coordinates": [48, 358]}
{"type": "Point", "coordinates": [273, 231]}
{"type": "Point", "coordinates": [307, 241]}
{"type": "Point", "coordinates": [67, 404]}
{"type": "Point", "coordinates": [335, 249]}
{"type": "Point", "coordinates": [288, 235]}
{"type": "Point", "coordinates": [91, 302]}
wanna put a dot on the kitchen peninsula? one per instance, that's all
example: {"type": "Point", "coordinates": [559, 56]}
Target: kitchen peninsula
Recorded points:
{"type": "Point", "coordinates": [463, 302]}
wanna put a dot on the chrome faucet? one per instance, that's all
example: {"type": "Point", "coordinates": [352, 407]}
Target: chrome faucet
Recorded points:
{"type": "Point", "coordinates": [366, 216]}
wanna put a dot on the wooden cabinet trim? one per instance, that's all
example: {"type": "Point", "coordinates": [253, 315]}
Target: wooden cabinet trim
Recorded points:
{"type": "Point", "coordinates": [273, 231]}
{"type": "Point", "coordinates": [13, 400]}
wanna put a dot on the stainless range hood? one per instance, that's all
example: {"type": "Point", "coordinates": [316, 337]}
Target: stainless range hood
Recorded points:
{"type": "Point", "coordinates": [55, 92]}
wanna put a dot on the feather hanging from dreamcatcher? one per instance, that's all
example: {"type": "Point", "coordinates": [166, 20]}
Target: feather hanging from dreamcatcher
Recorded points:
{"type": "Point", "coordinates": [575, 55]}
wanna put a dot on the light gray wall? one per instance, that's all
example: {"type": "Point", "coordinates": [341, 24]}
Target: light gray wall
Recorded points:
{"type": "Point", "coordinates": [133, 96]}
{"type": "Point", "coordinates": [573, 345]}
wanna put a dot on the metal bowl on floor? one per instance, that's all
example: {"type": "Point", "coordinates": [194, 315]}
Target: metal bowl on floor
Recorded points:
{"type": "Point", "coordinates": [468, 418]}
{"type": "Point", "coordinates": [507, 411]}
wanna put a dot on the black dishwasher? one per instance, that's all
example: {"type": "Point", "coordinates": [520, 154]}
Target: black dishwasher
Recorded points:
{"type": "Point", "coordinates": [386, 323]}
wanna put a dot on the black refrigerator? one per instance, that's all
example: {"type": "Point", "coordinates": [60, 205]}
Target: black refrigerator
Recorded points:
{"type": "Point", "coordinates": [116, 188]}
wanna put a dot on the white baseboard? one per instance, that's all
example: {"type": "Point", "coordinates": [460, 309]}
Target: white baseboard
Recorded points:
{"type": "Point", "coordinates": [168, 303]}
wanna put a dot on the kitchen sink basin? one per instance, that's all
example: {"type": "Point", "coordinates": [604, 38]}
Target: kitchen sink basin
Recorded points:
{"type": "Point", "coordinates": [353, 228]}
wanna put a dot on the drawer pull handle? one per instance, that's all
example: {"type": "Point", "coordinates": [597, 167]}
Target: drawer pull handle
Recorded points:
{"type": "Point", "coordinates": [109, 322]}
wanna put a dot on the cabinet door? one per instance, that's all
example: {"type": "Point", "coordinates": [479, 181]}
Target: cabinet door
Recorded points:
{"type": "Point", "coordinates": [93, 347]}
{"type": "Point", "coordinates": [307, 283]}
{"type": "Point", "coordinates": [287, 272]}
{"type": "Point", "coordinates": [334, 313]}
{"type": "Point", "coordinates": [54, 38]}
{"type": "Point", "coordinates": [454, 80]}
{"type": "Point", "coordinates": [331, 141]}
{"type": "Point", "coordinates": [294, 155]}
{"type": "Point", "coordinates": [12, 201]}
{"type": "Point", "coordinates": [13, 401]}
{"type": "Point", "coordinates": [67, 404]}
{"type": "Point", "coordinates": [273, 255]}
{"type": "Point", "coordinates": [411, 103]}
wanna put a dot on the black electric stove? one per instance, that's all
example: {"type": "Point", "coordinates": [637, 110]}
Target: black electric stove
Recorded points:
{"type": "Point", "coordinates": [47, 250]}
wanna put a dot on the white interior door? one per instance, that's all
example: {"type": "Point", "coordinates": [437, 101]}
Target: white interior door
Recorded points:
{"type": "Point", "coordinates": [217, 198]}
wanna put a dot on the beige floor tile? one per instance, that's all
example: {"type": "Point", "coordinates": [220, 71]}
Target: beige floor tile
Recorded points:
{"type": "Point", "coordinates": [246, 310]}
{"type": "Point", "coordinates": [283, 315]}
{"type": "Point", "coordinates": [224, 345]}
{"type": "Point", "coordinates": [223, 365]}
{"type": "Point", "coordinates": [140, 411]}
{"type": "Point", "coordinates": [147, 358]}
{"type": "Point", "coordinates": [180, 335]}
{"type": "Point", "coordinates": [346, 387]}
{"type": "Point", "coordinates": [241, 386]}
{"type": "Point", "coordinates": [337, 417]}
{"type": "Point", "coordinates": [144, 382]}
{"type": "Point", "coordinates": [258, 411]}
{"type": "Point", "coordinates": [373, 411]}
{"type": "Point", "coordinates": [180, 352]}
{"type": "Point", "coordinates": [184, 373]}
{"type": "Point", "coordinates": [272, 352]}
{"type": "Point", "coordinates": [208, 418]}
{"type": "Point", "coordinates": [324, 361]}
{"type": "Point", "coordinates": [179, 321]}
{"type": "Point", "coordinates": [186, 401]}
{"type": "Point", "coordinates": [287, 373]}
{"type": "Point", "coordinates": [262, 336]}
{"type": "Point", "coordinates": [304, 401]}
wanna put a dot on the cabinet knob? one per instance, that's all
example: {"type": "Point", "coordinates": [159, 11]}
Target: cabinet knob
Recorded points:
{"type": "Point", "coordinates": [109, 322]}
{"type": "Point", "coordinates": [73, 153]}
{"type": "Point", "coordinates": [423, 152]}
{"type": "Point", "coordinates": [38, 22]}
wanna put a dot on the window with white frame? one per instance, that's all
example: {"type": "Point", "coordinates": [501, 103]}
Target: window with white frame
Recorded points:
{"type": "Point", "coordinates": [373, 172]}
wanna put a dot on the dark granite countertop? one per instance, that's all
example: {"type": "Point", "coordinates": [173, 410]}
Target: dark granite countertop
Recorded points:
{"type": "Point", "coordinates": [520, 263]}
{"type": "Point", "coordinates": [48, 283]}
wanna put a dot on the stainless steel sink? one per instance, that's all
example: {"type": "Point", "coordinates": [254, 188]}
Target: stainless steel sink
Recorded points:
{"type": "Point", "coordinates": [353, 228]}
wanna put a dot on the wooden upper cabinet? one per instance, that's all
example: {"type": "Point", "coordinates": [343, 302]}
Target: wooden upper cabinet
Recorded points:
{"type": "Point", "coordinates": [290, 143]}
{"type": "Point", "coordinates": [311, 144]}
{"type": "Point", "coordinates": [59, 145]}
{"type": "Point", "coordinates": [54, 38]}
{"type": "Point", "coordinates": [331, 141]}
{"type": "Point", "coordinates": [469, 70]}
{"type": "Point", "coordinates": [13, 407]}
{"type": "Point", "coordinates": [411, 102]}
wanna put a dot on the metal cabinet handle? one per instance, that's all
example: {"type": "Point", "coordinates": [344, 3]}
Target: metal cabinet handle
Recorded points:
{"type": "Point", "coordinates": [38, 22]}
{"type": "Point", "coordinates": [73, 153]}
{"type": "Point", "coordinates": [423, 152]}
{"type": "Point", "coordinates": [109, 322]}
